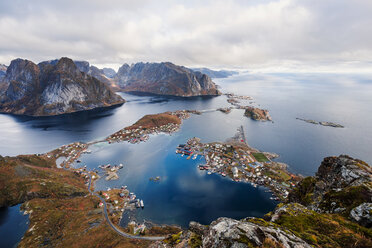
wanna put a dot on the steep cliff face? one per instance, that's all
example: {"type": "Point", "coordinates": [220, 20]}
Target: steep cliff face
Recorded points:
{"type": "Point", "coordinates": [340, 183]}
{"type": "Point", "coordinates": [23, 79]}
{"type": "Point", "coordinates": [53, 87]}
{"type": "Point", "coordinates": [164, 79]}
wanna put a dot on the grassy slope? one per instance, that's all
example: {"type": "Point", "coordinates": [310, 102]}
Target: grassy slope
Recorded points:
{"type": "Point", "coordinates": [149, 121]}
{"type": "Point", "coordinates": [63, 214]}
{"type": "Point", "coordinates": [324, 230]}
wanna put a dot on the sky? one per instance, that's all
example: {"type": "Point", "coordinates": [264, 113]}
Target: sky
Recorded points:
{"type": "Point", "coordinates": [266, 35]}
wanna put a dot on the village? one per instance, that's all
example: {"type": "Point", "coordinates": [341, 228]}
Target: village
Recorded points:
{"type": "Point", "coordinates": [233, 159]}
{"type": "Point", "coordinates": [236, 160]}
{"type": "Point", "coordinates": [118, 200]}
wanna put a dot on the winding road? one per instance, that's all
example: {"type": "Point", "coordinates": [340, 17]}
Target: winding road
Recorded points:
{"type": "Point", "coordinates": [117, 230]}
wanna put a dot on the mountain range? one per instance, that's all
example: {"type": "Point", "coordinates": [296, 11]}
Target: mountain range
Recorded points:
{"type": "Point", "coordinates": [164, 79]}
{"type": "Point", "coordinates": [63, 86]}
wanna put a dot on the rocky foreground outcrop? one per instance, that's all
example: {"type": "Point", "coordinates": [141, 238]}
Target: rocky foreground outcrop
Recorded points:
{"type": "Point", "coordinates": [331, 209]}
{"type": "Point", "coordinates": [342, 185]}
{"type": "Point", "coordinates": [52, 88]}
{"type": "Point", "coordinates": [164, 79]}
{"type": "Point", "coordinates": [226, 232]}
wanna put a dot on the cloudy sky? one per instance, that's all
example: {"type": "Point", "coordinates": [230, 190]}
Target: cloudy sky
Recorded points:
{"type": "Point", "coordinates": [245, 34]}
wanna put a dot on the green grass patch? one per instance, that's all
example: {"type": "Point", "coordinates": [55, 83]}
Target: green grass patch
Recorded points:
{"type": "Point", "coordinates": [260, 157]}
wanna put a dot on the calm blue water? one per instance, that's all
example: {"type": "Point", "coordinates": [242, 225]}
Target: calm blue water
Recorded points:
{"type": "Point", "coordinates": [186, 194]}
{"type": "Point", "coordinates": [13, 224]}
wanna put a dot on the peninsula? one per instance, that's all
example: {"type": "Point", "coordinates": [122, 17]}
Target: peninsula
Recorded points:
{"type": "Point", "coordinates": [242, 163]}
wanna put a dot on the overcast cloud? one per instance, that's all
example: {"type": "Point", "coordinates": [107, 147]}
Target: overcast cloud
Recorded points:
{"type": "Point", "coordinates": [218, 34]}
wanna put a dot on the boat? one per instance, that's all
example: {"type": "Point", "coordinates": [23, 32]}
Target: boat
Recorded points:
{"type": "Point", "coordinates": [223, 174]}
{"type": "Point", "coordinates": [141, 204]}
{"type": "Point", "coordinates": [209, 172]}
{"type": "Point", "coordinates": [195, 156]}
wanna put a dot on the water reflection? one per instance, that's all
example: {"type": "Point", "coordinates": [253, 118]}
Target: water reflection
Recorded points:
{"type": "Point", "coordinates": [183, 193]}
{"type": "Point", "coordinates": [13, 225]}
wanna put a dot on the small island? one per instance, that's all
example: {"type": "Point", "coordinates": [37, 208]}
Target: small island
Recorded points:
{"type": "Point", "coordinates": [257, 114]}
{"type": "Point", "coordinates": [322, 123]}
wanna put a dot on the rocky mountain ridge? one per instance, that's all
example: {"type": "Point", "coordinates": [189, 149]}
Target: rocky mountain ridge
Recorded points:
{"type": "Point", "coordinates": [164, 79]}
{"type": "Point", "coordinates": [309, 219]}
{"type": "Point", "coordinates": [153, 78]}
{"type": "Point", "coordinates": [52, 88]}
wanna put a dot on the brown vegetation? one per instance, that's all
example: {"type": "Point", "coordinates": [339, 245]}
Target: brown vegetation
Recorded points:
{"type": "Point", "coordinates": [156, 120]}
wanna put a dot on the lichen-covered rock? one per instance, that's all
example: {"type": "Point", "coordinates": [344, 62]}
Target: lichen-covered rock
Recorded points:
{"type": "Point", "coordinates": [225, 232]}
{"type": "Point", "coordinates": [343, 171]}
{"type": "Point", "coordinates": [198, 228]}
{"type": "Point", "coordinates": [341, 184]}
{"type": "Point", "coordinates": [362, 214]}
{"type": "Point", "coordinates": [320, 229]}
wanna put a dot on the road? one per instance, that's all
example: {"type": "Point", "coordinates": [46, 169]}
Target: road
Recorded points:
{"type": "Point", "coordinates": [117, 230]}
{"type": "Point", "coordinates": [241, 130]}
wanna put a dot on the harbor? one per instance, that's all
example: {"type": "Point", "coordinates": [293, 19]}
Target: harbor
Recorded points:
{"type": "Point", "coordinates": [113, 172]}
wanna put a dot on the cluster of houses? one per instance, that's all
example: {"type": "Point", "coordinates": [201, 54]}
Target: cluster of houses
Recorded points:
{"type": "Point", "coordinates": [238, 163]}
{"type": "Point", "coordinates": [136, 228]}
{"type": "Point", "coordinates": [119, 200]}
{"type": "Point", "coordinates": [140, 134]}
{"type": "Point", "coordinates": [111, 171]}
{"type": "Point", "coordinates": [71, 152]}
